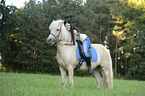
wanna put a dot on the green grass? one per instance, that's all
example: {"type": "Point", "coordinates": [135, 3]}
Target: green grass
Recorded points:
{"type": "Point", "coordinates": [21, 84]}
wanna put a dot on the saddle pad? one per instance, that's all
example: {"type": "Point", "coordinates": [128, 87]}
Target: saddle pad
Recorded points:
{"type": "Point", "coordinates": [93, 53]}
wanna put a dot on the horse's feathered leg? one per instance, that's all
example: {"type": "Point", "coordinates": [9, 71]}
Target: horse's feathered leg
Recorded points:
{"type": "Point", "coordinates": [97, 76]}
{"type": "Point", "coordinates": [71, 73]}
{"type": "Point", "coordinates": [63, 76]}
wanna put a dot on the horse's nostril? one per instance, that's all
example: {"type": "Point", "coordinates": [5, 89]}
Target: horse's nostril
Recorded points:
{"type": "Point", "coordinates": [50, 40]}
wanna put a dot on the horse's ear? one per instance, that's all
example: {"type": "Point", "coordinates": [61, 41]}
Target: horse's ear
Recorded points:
{"type": "Point", "coordinates": [60, 23]}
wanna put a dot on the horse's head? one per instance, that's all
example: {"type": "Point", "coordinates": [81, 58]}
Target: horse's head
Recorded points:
{"type": "Point", "coordinates": [55, 29]}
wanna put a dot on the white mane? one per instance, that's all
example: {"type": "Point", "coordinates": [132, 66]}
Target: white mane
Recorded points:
{"type": "Point", "coordinates": [65, 35]}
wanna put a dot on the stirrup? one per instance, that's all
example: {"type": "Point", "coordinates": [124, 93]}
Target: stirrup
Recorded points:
{"type": "Point", "coordinates": [79, 65]}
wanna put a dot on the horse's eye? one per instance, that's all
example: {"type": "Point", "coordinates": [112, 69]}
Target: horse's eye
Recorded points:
{"type": "Point", "coordinates": [57, 29]}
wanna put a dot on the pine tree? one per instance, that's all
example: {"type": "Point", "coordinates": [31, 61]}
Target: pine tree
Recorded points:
{"type": "Point", "coordinates": [7, 28]}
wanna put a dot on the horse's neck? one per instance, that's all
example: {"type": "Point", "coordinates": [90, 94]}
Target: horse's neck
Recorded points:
{"type": "Point", "coordinates": [65, 35]}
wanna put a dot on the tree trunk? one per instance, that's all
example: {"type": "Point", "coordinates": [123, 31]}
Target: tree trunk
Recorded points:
{"type": "Point", "coordinates": [100, 22]}
{"type": "Point", "coordinates": [126, 66]}
{"type": "Point", "coordinates": [116, 58]}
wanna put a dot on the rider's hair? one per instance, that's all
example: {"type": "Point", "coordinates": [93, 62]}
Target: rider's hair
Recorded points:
{"type": "Point", "coordinates": [71, 29]}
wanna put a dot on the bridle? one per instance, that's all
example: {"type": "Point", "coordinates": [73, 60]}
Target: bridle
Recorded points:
{"type": "Point", "coordinates": [56, 37]}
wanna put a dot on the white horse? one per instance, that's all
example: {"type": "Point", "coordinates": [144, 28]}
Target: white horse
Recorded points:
{"type": "Point", "coordinates": [67, 58]}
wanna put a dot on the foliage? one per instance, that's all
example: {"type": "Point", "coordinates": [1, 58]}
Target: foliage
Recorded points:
{"type": "Point", "coordinates": [44, 84]}
{"type": "Point", "coordinates": [7, 26]}
{"type": "Point", "coordinates": [117, 24]}
{"type": "Point", "coordinates": [131, 36]}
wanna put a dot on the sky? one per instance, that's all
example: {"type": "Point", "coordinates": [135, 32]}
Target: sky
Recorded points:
{"type": "Point", "coordinates": [18, 3]}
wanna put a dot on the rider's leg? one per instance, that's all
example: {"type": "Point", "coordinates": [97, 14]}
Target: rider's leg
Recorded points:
{"type": "Point", "coordinates": [88, 61]}
{"type": "Point", "coordinates": [86, 44]}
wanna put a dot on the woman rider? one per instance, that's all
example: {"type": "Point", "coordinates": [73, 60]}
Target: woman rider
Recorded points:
{"type": "Point", "coordinates": [83, 38]}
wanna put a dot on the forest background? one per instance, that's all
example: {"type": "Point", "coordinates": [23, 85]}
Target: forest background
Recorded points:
{"type": "Point", "coordinates": [117, 24]}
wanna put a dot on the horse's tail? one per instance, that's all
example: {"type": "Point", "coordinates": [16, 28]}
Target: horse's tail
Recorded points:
{"type": "Point", "coordinates": [110, 72]}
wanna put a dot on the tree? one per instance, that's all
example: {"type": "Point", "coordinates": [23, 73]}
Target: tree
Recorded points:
{"type": "Point", "coordinates": [7, 28]}
{"type": "Point", "coordinates": [24, 31]}
{"type": "Point", "coordinates": [133, 28]}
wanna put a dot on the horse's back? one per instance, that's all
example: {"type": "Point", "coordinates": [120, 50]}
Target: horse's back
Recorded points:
{"type": "Point", "coordinates": [102, 51]}
{"type": "Point", "coordinates": [99, 47]}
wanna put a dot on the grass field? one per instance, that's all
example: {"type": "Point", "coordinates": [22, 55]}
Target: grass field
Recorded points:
{"type": "Point", "coordinates": [21, 84]}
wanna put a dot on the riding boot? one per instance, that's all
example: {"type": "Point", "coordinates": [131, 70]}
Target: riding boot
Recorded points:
{"type": "Point", "coordinates": [88, 61]}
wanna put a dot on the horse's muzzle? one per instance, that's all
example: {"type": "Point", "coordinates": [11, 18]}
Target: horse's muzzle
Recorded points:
{"type": "Point", "coordinates": [50, 41]}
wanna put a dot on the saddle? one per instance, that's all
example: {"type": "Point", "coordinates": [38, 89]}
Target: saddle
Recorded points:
{"type": "Point", "coordinates": [80, 53]}
{"type": "Point", "coordinates": [81, 56]}
{"type": "Point", "coordinates": [80, 47]}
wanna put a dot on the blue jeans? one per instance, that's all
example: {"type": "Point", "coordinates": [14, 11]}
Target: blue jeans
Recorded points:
{"type": "Point", "coordinates": [86, 44]}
